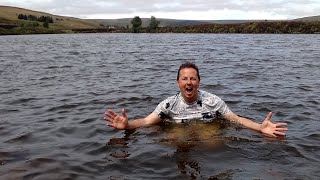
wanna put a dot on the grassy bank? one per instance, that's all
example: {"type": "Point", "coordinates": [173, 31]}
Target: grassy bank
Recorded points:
{"type": "Point", "coordinates": [18, 21]}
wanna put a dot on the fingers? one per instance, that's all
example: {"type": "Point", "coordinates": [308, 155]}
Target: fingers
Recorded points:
{"type": "Point", "coordinates": [281, 124]}
{"type": "Point", "coordinates": [270, 135]}
{"type": "Point", "coordinates": [124, 114]}
{"type": "Point", "coordinates": [279, 133]}
{"type": "Point", "coordinates": [268, 118]}
{"type": "Point", "coordinates": [111, 116]}
{"type": "Point", "coordinates": [281, 129]}
{"type": "Point", "coordinates": [276, 134]}
{"type": "Point", "coordinates": [110, 125]}
{"type": "Point", "coordinates": [108, 119]}
{"type": "Point", "coordinates": [110, 113]}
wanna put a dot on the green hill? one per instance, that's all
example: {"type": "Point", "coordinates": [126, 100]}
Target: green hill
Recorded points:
{"type": "Point", "coordinates": [9, 16]}
{"type": "Point", "coordinates": [310, 18]}
{"type": "Point", "coordinates": [167, 22]}
{"type": "Point", "coordinates": [12, 23]}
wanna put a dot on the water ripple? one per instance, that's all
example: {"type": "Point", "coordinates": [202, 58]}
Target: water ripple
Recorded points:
{"type": "Point", "coordinates": [54, 94]}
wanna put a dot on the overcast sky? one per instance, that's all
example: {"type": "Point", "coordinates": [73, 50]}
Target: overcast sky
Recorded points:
{"type": "Point", "coordinates": [174, 9]}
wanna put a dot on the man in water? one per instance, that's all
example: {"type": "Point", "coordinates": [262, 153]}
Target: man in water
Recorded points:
{"type": "Point", "coordinates": [190, 104]}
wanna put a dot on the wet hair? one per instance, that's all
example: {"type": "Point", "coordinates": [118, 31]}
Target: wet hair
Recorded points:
{"type": "Point", "coordinates": [188, 65]}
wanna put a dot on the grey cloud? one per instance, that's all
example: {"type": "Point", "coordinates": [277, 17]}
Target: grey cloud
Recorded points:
{"type": "Point", "coordinates": [82, 8]}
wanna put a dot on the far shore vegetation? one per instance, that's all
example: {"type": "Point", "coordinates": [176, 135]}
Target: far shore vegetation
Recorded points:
{"type": "Point", "coordinates": [46, 24]}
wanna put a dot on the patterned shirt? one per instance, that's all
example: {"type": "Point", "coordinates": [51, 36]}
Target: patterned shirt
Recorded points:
{"type": "Point", "coordinates": [207, 107]}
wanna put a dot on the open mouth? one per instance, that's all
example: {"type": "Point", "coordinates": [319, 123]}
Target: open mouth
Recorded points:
{"type": "Point", "coordinates": [189, 90]}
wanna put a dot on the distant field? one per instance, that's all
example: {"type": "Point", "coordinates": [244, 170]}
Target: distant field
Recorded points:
{"type": "Point", "coordinates": [167, 22]}
{"type": "Point", "coordinates": [10, 15]}
{"type": "Point", "coordinates": [310, 18]}
{"type": "Point", "coordinates": [10, 24]}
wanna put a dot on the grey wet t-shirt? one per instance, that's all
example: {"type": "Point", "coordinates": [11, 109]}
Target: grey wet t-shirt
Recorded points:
{"type": "Point", "coordinates": [205, 108]}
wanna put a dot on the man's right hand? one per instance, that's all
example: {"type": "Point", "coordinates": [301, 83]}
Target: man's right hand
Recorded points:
{"type": "Point", "coordinates": [116, 121]}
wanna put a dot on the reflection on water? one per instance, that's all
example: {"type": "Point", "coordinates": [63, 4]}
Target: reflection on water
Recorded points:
{"type": "Point", "coordinates": [54, 90]}
{"type": "Point", "coordinates": [184, 139]}
{"type": "Point", "coordinates": [189, 136]}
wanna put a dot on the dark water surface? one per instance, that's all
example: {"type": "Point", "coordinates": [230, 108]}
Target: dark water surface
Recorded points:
{"type": "Point", "coordinates": [55, 89]}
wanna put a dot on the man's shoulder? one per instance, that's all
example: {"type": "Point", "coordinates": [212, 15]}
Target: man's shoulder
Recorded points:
{"type": "Point", "coordinates": [205, 94]}
{"type": "Point", "coordinates": [209, 98]}
{"type": "Point", "coordinates": [169, 101]}
{"type": "Point", "coordinates": [171, 98]}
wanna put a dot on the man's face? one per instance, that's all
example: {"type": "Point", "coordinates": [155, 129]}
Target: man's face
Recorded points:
{"type": "Point", "coordinates": [188, 83]}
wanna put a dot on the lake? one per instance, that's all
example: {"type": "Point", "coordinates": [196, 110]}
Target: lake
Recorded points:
{"type": "Point", "coordinates": [55, 89]}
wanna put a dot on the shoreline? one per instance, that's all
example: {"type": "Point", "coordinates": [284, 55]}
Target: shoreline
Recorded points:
{"type": "Point", "coordinates": [278, 27]}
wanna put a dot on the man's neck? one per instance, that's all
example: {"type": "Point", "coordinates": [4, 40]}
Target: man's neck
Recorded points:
{"type": "Point", "coordinates": [193, 101]}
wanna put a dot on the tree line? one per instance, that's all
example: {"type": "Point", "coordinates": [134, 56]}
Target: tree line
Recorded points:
{"type": "Point", "coordinates": [136, 27]}
{"type": "Point", "coordinates": [273, 27]}
{"type": "Point", "coordinates": [268, 27]}
{"type": "Point", "coordinates": [45, 19]}
{"type": "Point", "coordinates": [35, 18]}
{"type": "Point", "coordinates": [137, 23]}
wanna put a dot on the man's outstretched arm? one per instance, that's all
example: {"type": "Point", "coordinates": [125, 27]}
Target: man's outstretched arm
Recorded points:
{"type": "Point", "coordinates": [122, 122]}
{"type": "Point", "coordinates": [267, 127]}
